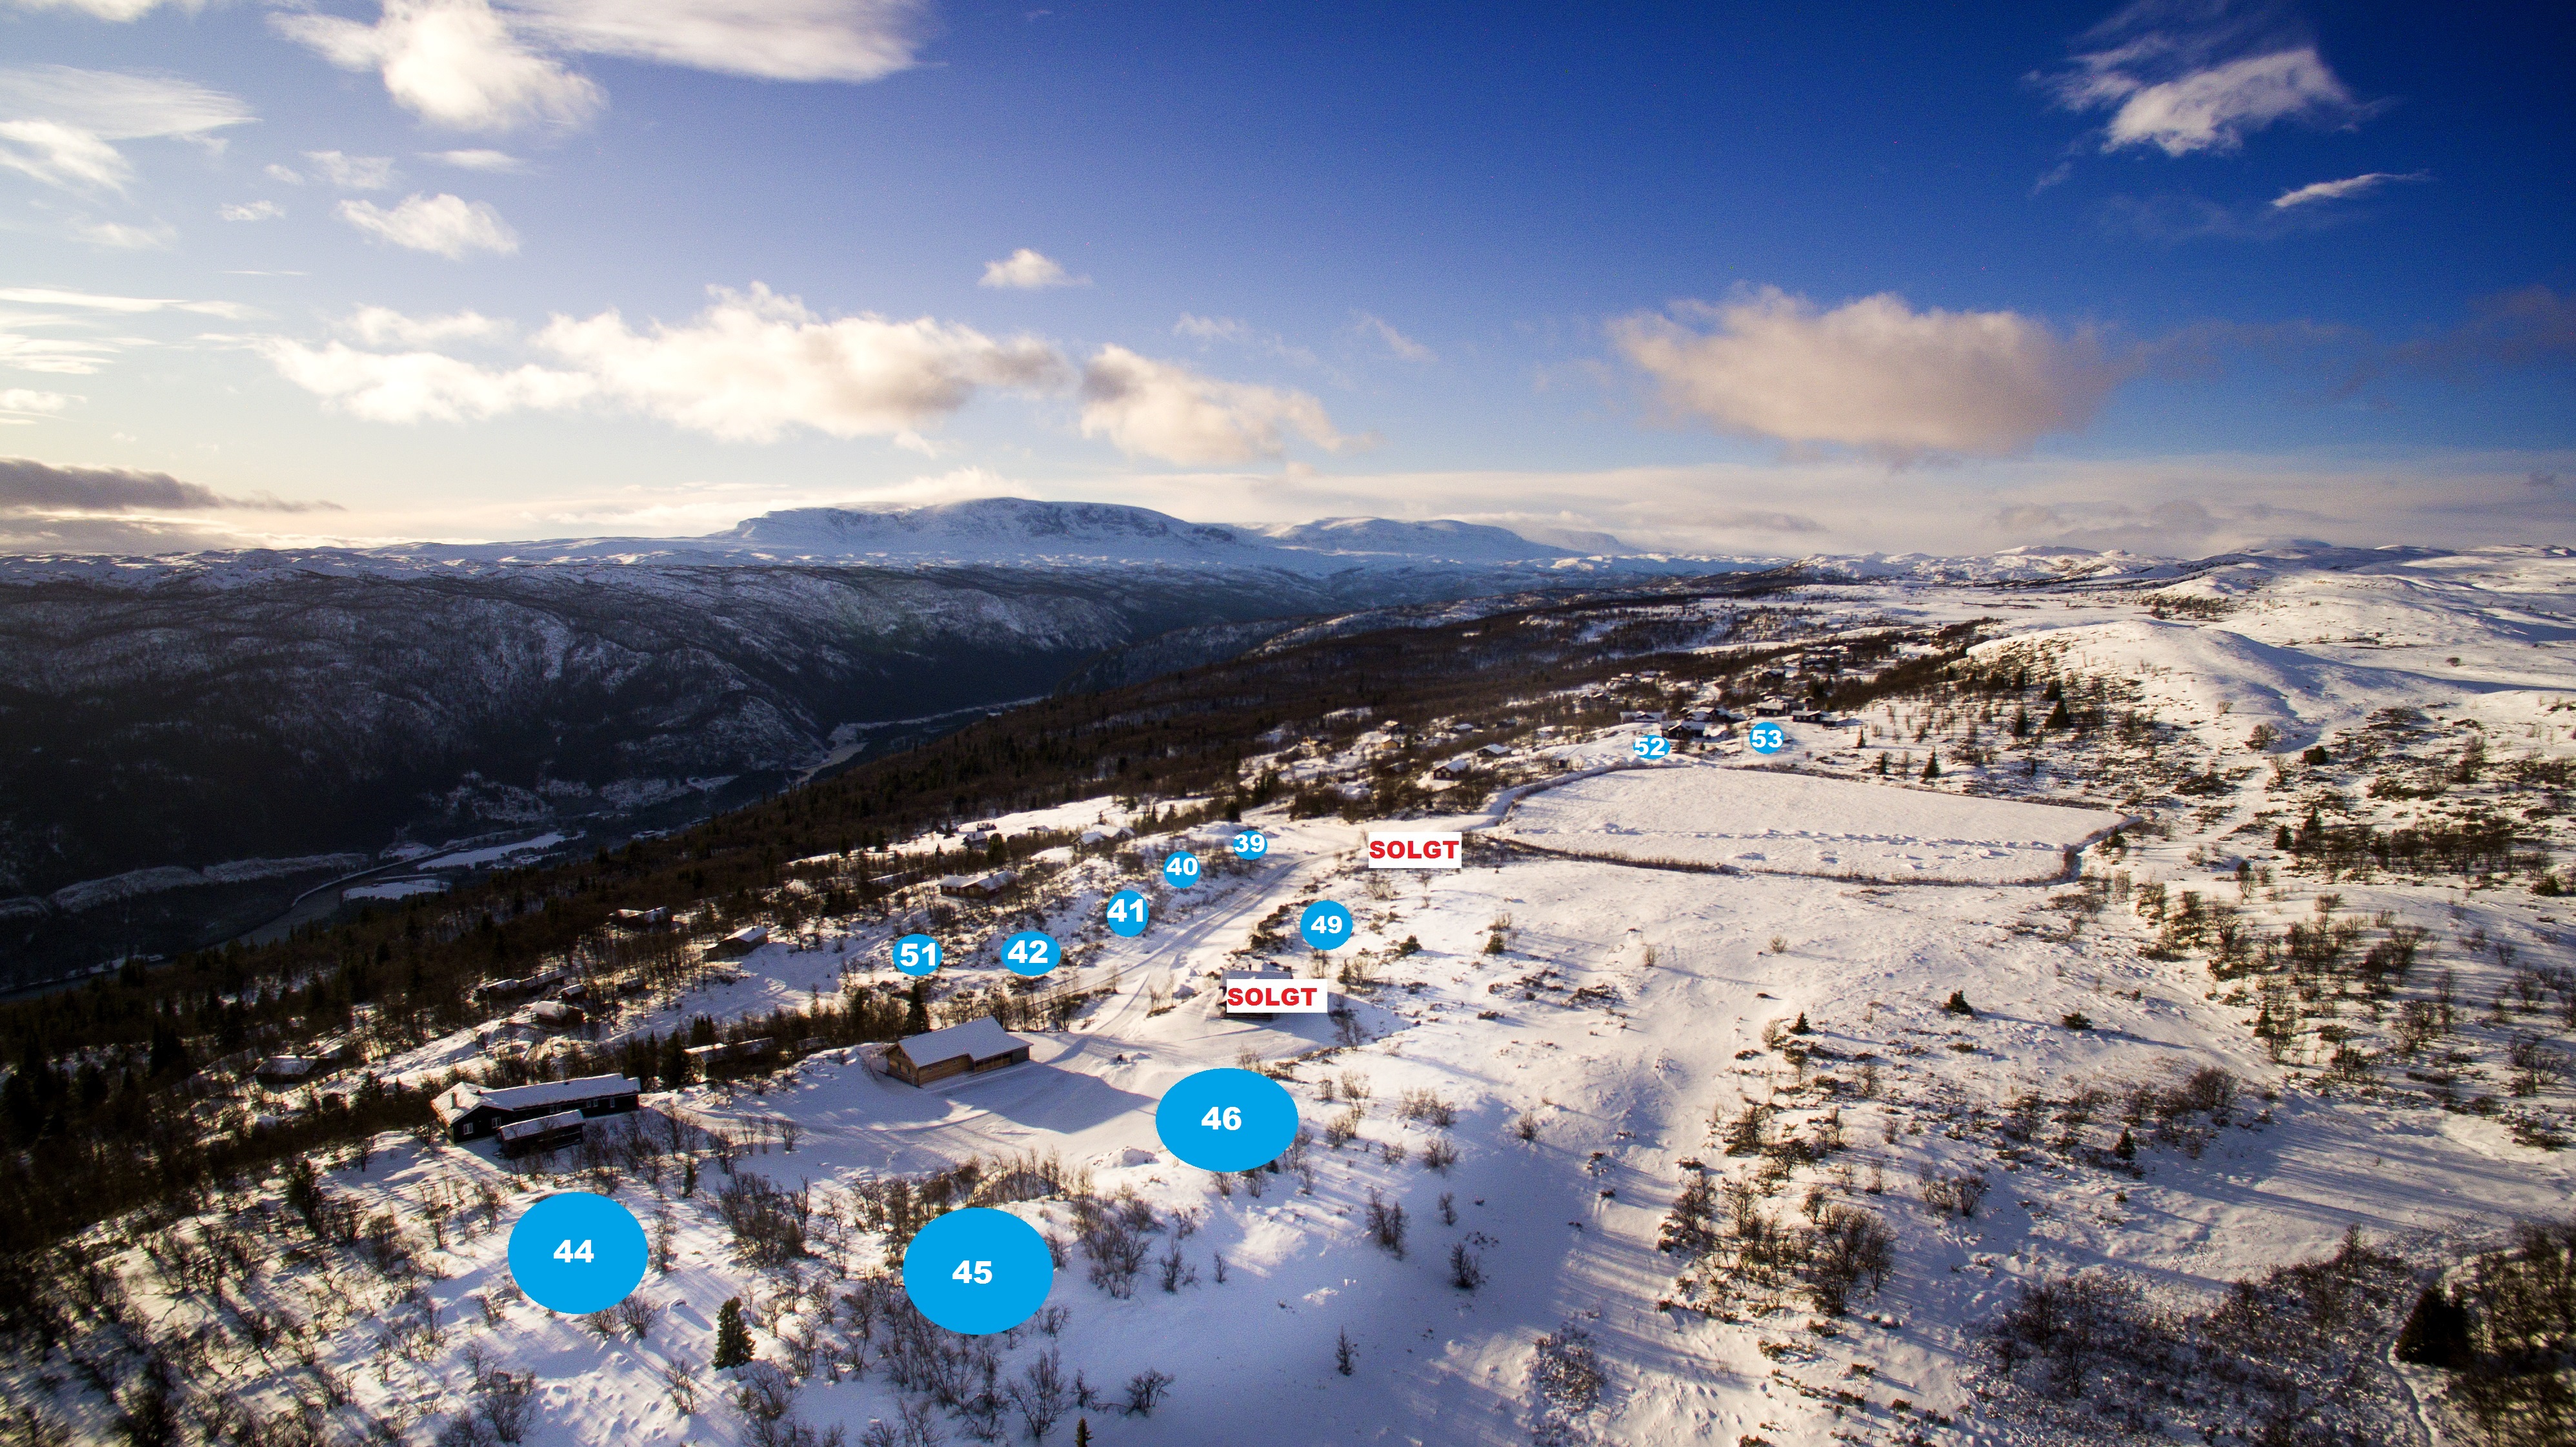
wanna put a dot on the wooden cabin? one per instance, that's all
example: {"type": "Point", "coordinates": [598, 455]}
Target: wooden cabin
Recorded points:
{"type": "Point", "coordinates": [968, 1049]}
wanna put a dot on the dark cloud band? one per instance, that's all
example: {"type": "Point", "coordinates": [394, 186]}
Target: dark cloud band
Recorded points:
{"type": "Point", "coordinates": [27, 485]}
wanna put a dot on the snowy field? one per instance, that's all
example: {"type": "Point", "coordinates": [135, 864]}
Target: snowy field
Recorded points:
{"type": "Point", "coordinates": [1764, 822]}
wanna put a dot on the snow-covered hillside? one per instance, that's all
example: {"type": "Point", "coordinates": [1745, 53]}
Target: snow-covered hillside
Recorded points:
{"type": "Point", "coordinates": [1581, 1151]}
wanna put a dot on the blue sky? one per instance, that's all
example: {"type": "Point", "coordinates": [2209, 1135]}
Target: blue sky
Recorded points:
{"type": "Point", "coordinates": [1776, 280]}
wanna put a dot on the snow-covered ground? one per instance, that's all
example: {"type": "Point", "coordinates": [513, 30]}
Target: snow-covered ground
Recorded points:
{"type": "Point", "coordinates": [1594, 1033]}
{"type": "Point", "coordinates": [1766, 822]}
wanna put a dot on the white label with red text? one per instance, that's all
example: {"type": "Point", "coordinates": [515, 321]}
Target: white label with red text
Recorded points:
{"type": "Point", "coordinates": [1276, 995]}
{"type": "Point", "coordinates": [1412, 851]}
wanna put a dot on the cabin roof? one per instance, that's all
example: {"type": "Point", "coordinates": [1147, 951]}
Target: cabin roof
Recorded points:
{"type": "Point", "coordinates": [978, 1039]}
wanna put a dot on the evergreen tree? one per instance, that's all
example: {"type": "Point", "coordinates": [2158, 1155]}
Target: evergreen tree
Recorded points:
{"type": "Point", "coordinates": [1082, 1432]}
{"type": "Point", "coordinates": [916, 1015]}
{"type": "Point", "coordinates": [733, 1339]}
{"type": "Point", "coordinates": [1931, 766]}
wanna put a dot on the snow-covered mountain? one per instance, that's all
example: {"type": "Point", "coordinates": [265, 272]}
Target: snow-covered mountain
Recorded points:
{"type": "Point", "coordinates": [982, 532]}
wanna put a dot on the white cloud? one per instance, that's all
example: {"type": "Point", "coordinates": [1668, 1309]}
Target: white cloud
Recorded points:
{"type": "Point", "coordinates": [756, 363]}
{"type": "Point", "coordinates": [2210, 110]}
{"type": "Point", "coordinates": [286, 174]}
{"type": "Point", "coordinates": [1212, 329]}
{"type": "Point", "coordinates": [2316, 191]}
{"type": "Point", "coordinates": [56, 121]}
{"type": "Point", "coordinates": [477, 160]}
{"type": "Point", "coordinates": [252, 211]}
{"type": "Point", "coordinates": [2186, 77]}
{"type": "Point", "coordinates": [1403, 347]}
{"type": "Point", "coordinates": [446, 225]}
{"type": "Point", "coordinates": [61, 155]}
{"type": "Point", "coordinates": [118, 236]}
{"type": "Point", "coordinates": [1156, 409]}
{"type": "Point", "coordinates": [19, 404]}
{"type": "Point", "coordinates": [117, 105]}
{"type": "Point", "coordinates": [749, 367]}
{"type": "Point", "coordinates": [1873, 374]}
{"type": "Point", "coordinates": [94, 301]}
{"type": "Point", "coordinates": [1026, 270]}
{"type": "Point", "coordinates": [422, 386]}
{"type": "Point", "coordinates": [379, 326]}
{"type": "Point", "coordinates": [57, 356]}
{"type": "Point", "coordinates": [451, 62]}
{"type": "Point", "coordinates": [847, 40]}
{"type": "Point", "coordinates": [354, 173]}
{"type": "Point", "coordinates": [1236, 332]}
{"type": "Point", "coordinates": [475, 66]}
{"type": "Point", "coordinates": [117, 10]}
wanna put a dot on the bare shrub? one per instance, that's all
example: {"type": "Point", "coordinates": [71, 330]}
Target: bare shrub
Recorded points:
{"type": "Point", "coordinates": [635, 1315]}
{"type": "Point", "coordinates": [1145, 1392]}
{"type": "Point", "coordinates": [1466, 1268]}
{"type": "Point", "coordinates": [680, 1382]}
{"type": "Point", "coordinates": [1846, 1247]}
{"type": "Point", "coordinates": [507, 1405]}
{"type": "Point", "coordinates": [1426, 1106]}
{"type": "Point", "coordinates": [1041, 1394]}
{"type": "Point", "coordinates": [1386, 1224]}
{"type": "Point", "coordinates": [1116, 1244]}
{"type": "Point", "coordinates": [1954, 1195]}
{"type": "Point", "coordinates": [768, 1224]}
{"type": "Point", "coordinates": [1342, 1128]}
{"type": "Point", "coordinates": [1439, 1156]}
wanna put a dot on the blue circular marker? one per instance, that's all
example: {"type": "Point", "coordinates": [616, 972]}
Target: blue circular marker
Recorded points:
{"type": "Point", "coordinates": [1326, 925]}
{"type": "Point", "coordinates": [1251, 844]}
{"type": "Point", "coordinates": [1766, 738]}
{"type": "Point", "coordinates": [1032, 953]}
{"type": "Point", "coordinates": [577, 1253]}
{"type": "Point", "coordinates": [1226, 1120]}
{"type": "Point", "coordinates": [978, 1271]}
{"type": "Point", "coordinates": [1181, 870]}
{"type": "Point", "coordinates": [917, 955]}
{"type": "Point", "coordinates": [1650, 747]}
{"type": "Point", "coordinates": [1128, 914]}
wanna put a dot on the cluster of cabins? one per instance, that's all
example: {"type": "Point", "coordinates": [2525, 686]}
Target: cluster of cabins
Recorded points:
{"type": "Point", "coordinates": [551, 1114]}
